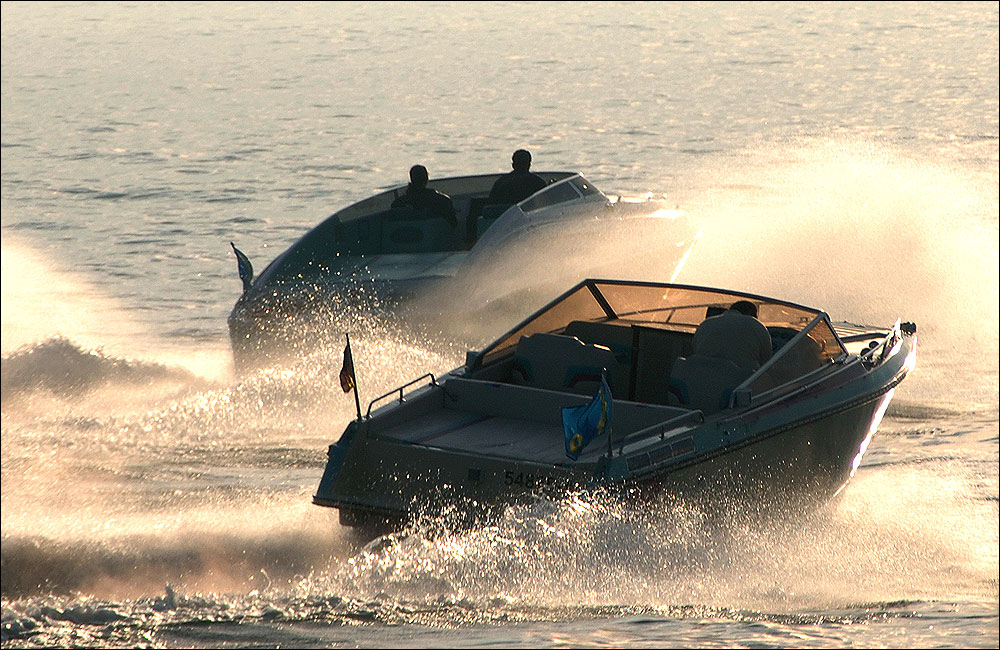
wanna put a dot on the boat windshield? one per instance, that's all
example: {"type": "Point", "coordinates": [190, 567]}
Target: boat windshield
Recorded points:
{"type": "Point", "coordinates": [814, 347]}
{"type": "Point", "coordinates": [686, 307]}
{"type": "Point", "coordinates": [677, 306]}
{"type": "Point", "coordinates": [567, 190]}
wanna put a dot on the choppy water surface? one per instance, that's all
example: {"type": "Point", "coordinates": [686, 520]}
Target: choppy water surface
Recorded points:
{"type": "Point", "coordinates": [839, 155]}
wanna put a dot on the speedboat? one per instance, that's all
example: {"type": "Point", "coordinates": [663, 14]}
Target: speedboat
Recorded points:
{"type": "Point", "coordinates": [372, 256]}
{"type": "Point", "coordinates": [617, 356]}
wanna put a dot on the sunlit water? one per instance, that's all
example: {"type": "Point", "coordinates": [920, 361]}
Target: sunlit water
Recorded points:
{"type": "Point", "coordinates": [838, 155]}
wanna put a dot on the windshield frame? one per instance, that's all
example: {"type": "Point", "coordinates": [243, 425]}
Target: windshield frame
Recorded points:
{"type": "Point", "coordinates": [587, 301]}
{"type": "Point", "coordinates": [567, 190]}
{"type": "Point", "coordinates": [825, 359]}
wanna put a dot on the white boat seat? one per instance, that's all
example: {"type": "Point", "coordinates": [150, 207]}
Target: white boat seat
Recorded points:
{"type": "Point", "coordinates": [558, 362]}
{"type": "Point", "coordinates": [705, 383]}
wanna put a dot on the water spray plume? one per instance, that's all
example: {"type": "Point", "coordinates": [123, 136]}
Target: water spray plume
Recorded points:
{"type": "Point", "coordinates": [42, 302]}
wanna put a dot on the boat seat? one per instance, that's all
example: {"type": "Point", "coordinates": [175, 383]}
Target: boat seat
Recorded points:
{"type": "Point", "coordinates": [615, 336]}
{"type": "Point", "coordinates": [471, 222]}
{"type": "Point", "coordinates": [411, 230]}
{"type": "Point", "coordinates": [558, 362]}
{"type": "Point", "coordinates": [704, 383]}
{"type": "Point", "coordinates": [491, 212]}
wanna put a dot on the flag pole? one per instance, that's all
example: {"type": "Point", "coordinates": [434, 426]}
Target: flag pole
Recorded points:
{"type": "Point", "coordinates": [354, 378]}
{"type": "Point", "coordinates": [611, 451]}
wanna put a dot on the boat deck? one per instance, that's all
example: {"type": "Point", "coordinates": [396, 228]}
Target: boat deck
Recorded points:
{"type": "Point", "coordinates": [477, 433]}
{"type": "Point", "coordinates": [475, 420]}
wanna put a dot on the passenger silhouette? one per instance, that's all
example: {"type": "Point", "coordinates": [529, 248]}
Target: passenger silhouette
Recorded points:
{"type": "Point", "coordinates": [727, 350]}
{"type": "Point", "coordinates": [518, 184]}
{"type": "Point", "coordinates": [735, 335]}
{"type": "Point", "coordinates": [419, 196]}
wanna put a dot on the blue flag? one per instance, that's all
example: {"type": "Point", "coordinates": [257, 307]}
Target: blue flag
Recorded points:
{"type": "Point", "coordinates": [581, 424]}
{"type": "Point", "coordinates": [244, 266]}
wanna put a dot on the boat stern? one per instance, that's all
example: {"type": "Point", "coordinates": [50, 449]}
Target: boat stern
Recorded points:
{"type": "Point", "coordinates": [335, 460]}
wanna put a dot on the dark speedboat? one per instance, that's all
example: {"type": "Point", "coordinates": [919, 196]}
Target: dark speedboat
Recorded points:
{"type": "Point", "coordinates": [371, 255]}
{"type": "Point", "coordinates": [497, 430]}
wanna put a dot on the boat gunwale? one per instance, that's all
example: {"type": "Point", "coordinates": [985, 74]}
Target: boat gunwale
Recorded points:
{"type": "Point", "coordinates": [722, 450]}
{"type": "Point", "coordinates": [343, 215]}
{"type": "Point", "coordinates": [653, 470]}
{"type": "Point", "coordinates": [770, 406]}
{"type": "Point", "coordinates": [395, 190]}
{"type": "Point", "coordinates": [824, 375]}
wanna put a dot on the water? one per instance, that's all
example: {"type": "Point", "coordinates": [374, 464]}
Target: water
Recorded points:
{"type": "Point", "coordinates": [840, 155]}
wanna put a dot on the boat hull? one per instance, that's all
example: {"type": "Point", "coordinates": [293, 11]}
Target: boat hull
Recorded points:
{"type": "Point", "coordinates": [306, 296]}
{"type": "Point", "coordinates": [372, 480]}
{"type": "Point", "coordinates": [494, 432]}
{"type": "Point", "coordinates": [779, 471]}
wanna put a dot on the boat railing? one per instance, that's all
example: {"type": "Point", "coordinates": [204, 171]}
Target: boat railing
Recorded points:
{"type": "Point", "coordinates": [659, 429]}
{"type": "Point", "coordinates": [399, 390]}
{"type": "Point", "coordinates": [787, 389]}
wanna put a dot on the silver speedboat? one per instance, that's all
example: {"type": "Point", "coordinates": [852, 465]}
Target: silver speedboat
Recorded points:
{"type": "Point", "coordinates": [495, 431]}
{"type": "Point", "coordinates": [370, 255]}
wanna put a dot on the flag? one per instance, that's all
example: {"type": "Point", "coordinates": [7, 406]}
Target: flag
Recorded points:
{"type": "Point", "coordinates": [347, 381]}
{"type": "Point", "coordinates": [581, 424]}
{"type": "Point", "coordinates": [244, 267]}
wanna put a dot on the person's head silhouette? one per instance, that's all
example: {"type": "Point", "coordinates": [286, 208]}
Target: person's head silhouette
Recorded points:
{"type": "Point", "coordinates": [521, 160]}
{"type": "Point", "coordinates": [745, 307]}
{"type": "Point", "coordinates": [418, 177]}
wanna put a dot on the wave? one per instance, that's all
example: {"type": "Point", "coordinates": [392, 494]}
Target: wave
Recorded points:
{"type": "Point", "coordinates": [65, 369]}
{"type": "Point", "coordinates": [233, 556]}
{"type": "Point", "coordinates": [898, 533]}
{"type": "Point", "coordinates": [187, 620]}
{"type": "Point", "coordinates": [875, 545]}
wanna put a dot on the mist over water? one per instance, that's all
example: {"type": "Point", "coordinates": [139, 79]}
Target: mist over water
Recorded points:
{"type": "Point", "coordinates": [148, 474]}
{"type": "Point", "coordinates": [140, 479]}
{"type": "Point", "coordinates": [577, 558]}
{"type": "Point", "coordinates": [859, 229]}
{"type": "Point", "coordinates": [48, 306]}
{"type": "Point", "coordinates": [854, 228]}
{"type": "Point", "coordinates": [163, 490]}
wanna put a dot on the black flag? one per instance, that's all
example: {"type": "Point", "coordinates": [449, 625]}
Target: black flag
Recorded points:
{"type": "Point", "coordinates": [347, 381]}
{"type": "Point", "coordinates": [244, 267]}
